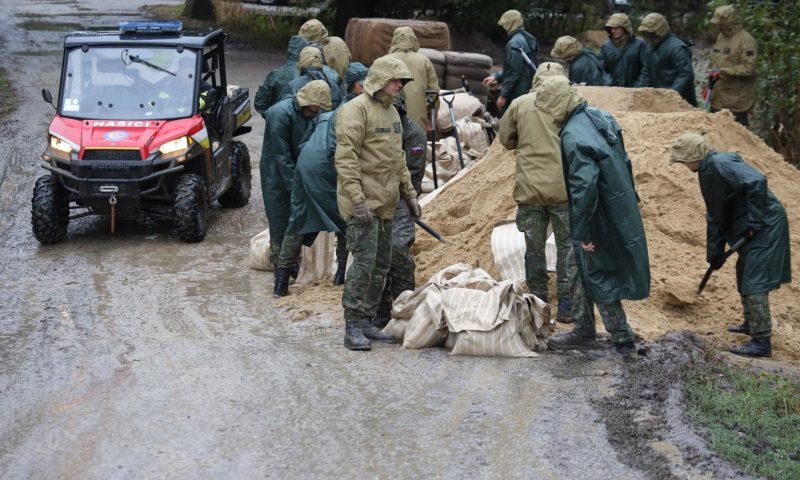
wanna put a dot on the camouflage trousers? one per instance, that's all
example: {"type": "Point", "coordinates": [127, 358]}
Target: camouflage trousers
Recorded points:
{"type": "Point", "coordinates": [290, 251]}
{"type": "Point", "coordinates": [403, 269]}
{"type": "Point", "coordinates": [532, 220]}
{"type": "Point", "coordinates": [612, 314]}
{"type": "Point", "coordinates": [370, 245]}
{"type": "Point", "coordinates": [756, 315]}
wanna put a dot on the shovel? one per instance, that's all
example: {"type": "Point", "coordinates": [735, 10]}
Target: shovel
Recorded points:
{"type": "Point", "coordinates": [430, 96]}
{"type": "Point", "coordinates": [735, 247]}
{"type": "Point", "coordinates": [452, 97]}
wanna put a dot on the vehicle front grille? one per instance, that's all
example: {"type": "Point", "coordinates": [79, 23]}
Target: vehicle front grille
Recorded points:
{"type": "Point", "coordinates": [122, 155]}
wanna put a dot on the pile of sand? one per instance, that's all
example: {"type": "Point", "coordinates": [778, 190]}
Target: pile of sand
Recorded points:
{"type": "Point", "coordinates": [671, 205]}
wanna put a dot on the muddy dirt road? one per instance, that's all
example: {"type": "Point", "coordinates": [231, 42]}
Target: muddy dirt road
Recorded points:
{"type": "Point", "coordinates": [137, 356]}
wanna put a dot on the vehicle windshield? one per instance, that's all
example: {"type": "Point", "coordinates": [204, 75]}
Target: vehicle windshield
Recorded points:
{"type": "Point", "coordinates": [129, 83]}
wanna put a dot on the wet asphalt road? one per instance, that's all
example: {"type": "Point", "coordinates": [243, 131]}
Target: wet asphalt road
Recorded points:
{"type": "Point", "coordinates": [137, 356]}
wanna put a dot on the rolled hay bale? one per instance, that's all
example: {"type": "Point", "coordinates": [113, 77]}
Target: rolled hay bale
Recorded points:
{"type": "Point", "coordinates": [370, 38]}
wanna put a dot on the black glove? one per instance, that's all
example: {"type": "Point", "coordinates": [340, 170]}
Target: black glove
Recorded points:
{"type": "Point", "coordinates": [717, 262]}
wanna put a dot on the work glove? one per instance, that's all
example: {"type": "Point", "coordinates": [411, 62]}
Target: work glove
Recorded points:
{"type": "Point", "coordinates": [717, 262]}
{"type": "Point", "coordinates": [362, 213]}
{"type": "Point", "coordinates": [413, 207]}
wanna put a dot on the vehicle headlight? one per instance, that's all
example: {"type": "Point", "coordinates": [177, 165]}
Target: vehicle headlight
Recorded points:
{"type": "Point", "coordinates": [62, 145]}
{"type": "Point", "coordinates": [174, 146]}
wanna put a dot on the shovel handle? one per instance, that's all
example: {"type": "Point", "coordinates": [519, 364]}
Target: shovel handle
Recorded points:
{"type": "Point", "coordinates": [735, 247]}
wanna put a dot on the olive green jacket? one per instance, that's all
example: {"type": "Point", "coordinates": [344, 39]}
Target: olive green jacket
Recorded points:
{"type": "Point", "coordinates": [405, 47]}
{"type": "Point", "coordinates": [736, 57]}
{"type": "Point", "coordinates": [534, 134]}
{"type": "Point", "coordinates": [370, 161]}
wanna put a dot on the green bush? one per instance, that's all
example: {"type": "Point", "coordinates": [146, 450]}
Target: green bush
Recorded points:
{"type": "Point", "coordinates": [776, 27]}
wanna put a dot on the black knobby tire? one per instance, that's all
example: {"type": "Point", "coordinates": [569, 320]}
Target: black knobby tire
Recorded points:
{"type": "Point", "coordinates": [191, 208]}
{"type": "Point", "coordinates": [49, 212]}
{"type": "Point", "coordinates": [239, 192]}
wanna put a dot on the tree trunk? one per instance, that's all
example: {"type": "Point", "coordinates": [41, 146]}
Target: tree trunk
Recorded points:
{"type": "Point", "coordinates": [199, 9]}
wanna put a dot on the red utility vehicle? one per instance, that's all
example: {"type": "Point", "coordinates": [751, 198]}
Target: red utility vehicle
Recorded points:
{"type": "Point", "coordinates": [145, 124]}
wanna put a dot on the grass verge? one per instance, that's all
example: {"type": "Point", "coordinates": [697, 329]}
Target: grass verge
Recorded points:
{"type": "Point", "coordinates": [753, 420]}
{"type": "Point", "coordinates": [8, 95]}
{"type": "Point", "coordinates": [243, 25]}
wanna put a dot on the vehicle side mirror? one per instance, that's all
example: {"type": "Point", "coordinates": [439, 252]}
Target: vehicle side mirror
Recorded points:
{"type": "Point", "coordinates": [47, 97]}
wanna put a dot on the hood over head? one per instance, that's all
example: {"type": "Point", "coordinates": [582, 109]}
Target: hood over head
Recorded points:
{"type": "Point", "coordinates": [383, 70]}
{"type": "Point", "coordinates": [620, 20]}
{"type": "Point", "coordinates": [296, 44]}
{"type": "Point", "coordinates": [511, 20]}
{"type": "Point", "coordinates": [558, 98]}
{"type": "Point", "coordinates": [566, 48]}
{"type": "Point", "coordinates": [404, 40]}
{"type": "Point", "coordinates": [356, 73]}
{"type": "Point", "coordinates": [310, 57]}
{"type": "Point", "coordinates": [314, 31]}
{"type": "Point", "coordinates": [315, 92]}
{"type": "Point", "coordinates": [689, 147]}
{"type": "Point", "coordinates": [546, 70]}
{"type": "Point", "coordinates": [655, 23]}
{"type": "Point", "coordinates": [727, 19]}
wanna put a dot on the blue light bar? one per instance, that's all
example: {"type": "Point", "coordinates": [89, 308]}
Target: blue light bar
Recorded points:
{"type": "Point", "coordinates": [172, 26]}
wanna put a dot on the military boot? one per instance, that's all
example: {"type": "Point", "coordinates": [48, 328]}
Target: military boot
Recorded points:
{"type": "Point", "coordinates": [354, 338]}
{"type": "Point", "coordinates": [338, 277]}
{"type": "Point", "coordinates": [570, 340]}
{"type": "Point", "coordinates": [564, 314]}
{"type": "Point", "coordinates": [374, 333]}
{"type": "Point", "coordinates": [625, 348]}
{"type": "Point", "coordinates": [743, 328]}
{"type": "Point", "coordinates": [757, 347]}
{"type": "Point", "coordinates": [294, 271]}
{"type": "Point", "coordinates": [281, 282]}
{"type": "Point", "coordinates": [381, 320]}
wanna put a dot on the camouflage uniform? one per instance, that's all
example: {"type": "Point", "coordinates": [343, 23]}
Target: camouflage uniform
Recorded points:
{"type": "Point", "coordinates": [366, 277]}
{"type": "Point", "coordinates": [756, 314]}
{"type": "Point", "coordinates": [613, 315]}
{"type": "Point", "coordinates": [532, 220]}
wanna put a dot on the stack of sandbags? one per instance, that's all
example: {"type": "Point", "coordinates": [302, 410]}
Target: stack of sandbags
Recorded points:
{"type": "Point", "coordinates": [474, 67]}
{"type": "Point", "coordinates": [370, 38]}
{"type": "Point", "coordinates": [450, 66]}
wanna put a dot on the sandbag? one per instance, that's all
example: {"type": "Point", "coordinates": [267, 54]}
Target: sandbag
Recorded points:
{"type": "Point", "coordinates": [318, 261]}
{"type": "Point", "coordinates": [476, 86]}
{"type": "Point", "coordinates": [471, 73]}
{"type": "Point", "coordinates": [468, 59]}
{"type": "Point", "coordinates": [370, 38]}
{"type": "Point", "coordinates": [259, 252]}
{"type": "Point", "coordinates": [472, 132]}
{"type": "Point", "coordinates": [485, 317]}
{"type": "Point", "coordinates": [508, 251]}
{"type": "Point", "coordinates": [464, 105]}
{"type": "Point", "coordinates": [447, 163]}
{"type": "Point", "coordinates": [435, 56]}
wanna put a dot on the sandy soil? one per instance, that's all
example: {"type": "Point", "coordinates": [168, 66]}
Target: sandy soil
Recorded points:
{"type": "Point", "coordinates": [672, 208]}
